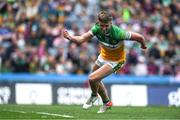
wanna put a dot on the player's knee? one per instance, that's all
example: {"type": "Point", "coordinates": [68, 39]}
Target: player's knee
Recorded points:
{"type": "Point", "coordinates": [92, 78]}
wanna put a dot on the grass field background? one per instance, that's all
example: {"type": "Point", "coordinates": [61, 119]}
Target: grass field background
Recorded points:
{"type": "Point", "coordinates": [76, 112]}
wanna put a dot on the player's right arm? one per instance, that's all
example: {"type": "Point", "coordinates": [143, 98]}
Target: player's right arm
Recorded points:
{"type": "Point", "coordinates": [78, 39]}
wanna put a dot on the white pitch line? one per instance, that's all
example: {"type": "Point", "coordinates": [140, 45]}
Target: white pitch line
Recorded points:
{"type": "Point", "coordinates": [17, 111]}
{"type": "Point", "coordinates": [41, 113]}
{"type": "Point", "coordinates": [53, 114]}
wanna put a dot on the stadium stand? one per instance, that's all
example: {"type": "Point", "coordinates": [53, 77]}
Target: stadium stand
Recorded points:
{"type": "Point", "coordinates": [31, 38]}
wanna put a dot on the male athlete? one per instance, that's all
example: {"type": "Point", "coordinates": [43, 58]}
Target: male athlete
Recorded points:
{"type": "Point", "coordinates": [111, 58]}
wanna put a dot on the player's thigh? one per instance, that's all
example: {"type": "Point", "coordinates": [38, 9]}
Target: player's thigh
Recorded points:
{"type": "Point", "coordinates": [100, 73]}
{"type": "Point", "coordinates": [95, 67]}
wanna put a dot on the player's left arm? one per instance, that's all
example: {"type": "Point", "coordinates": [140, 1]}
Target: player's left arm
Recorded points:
{"type": "Point", "coordinates": [139, 38]}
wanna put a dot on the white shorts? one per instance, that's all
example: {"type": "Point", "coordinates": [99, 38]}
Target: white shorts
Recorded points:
{"type": "Point", "coordinates": [115, 65]}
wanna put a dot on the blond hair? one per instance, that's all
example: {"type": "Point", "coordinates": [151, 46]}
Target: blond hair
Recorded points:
{"type": "Point", "coordinates": [104, 16]}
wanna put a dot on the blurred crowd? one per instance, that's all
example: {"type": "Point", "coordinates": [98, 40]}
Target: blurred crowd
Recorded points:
{"type": "Point", "coordinates": [31, 35]}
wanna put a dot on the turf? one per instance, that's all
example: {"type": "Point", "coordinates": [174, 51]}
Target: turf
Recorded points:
{"type": "Point", "coordinates": [76, 112]}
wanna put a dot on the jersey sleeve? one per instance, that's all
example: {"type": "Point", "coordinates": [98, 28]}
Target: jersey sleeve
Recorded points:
{"type": "Point", "coordinates": [94, 30]}
{"type": "Point", "coordinates": [125, 35]}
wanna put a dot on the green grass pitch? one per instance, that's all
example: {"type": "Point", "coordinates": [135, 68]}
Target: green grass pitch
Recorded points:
{"type": "Point", "coordinates": [75, 112]}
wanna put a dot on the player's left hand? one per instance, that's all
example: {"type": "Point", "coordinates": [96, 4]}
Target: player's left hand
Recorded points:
{"type": "Point", "coordinates": [66, 34]}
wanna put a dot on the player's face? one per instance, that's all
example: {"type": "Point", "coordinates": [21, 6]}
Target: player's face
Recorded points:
{"type": "Point", "coordinates": [105, 26]}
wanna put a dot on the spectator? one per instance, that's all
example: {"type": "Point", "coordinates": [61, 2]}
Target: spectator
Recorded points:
{"type": "Point", "coordinates": [166, 68]}
{"type": "Point", "coordinates": [155, 52]}
{"type": "Point", "coordinates": [140, 68]}
{"type": "Point", "coordinates": [153, 69]}
{"type": "Point", "coordinates": [19, 62]}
